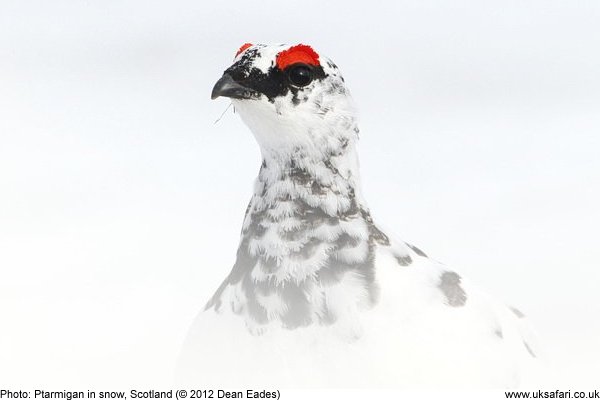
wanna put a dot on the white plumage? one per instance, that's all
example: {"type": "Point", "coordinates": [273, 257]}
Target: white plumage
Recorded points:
{"type": "Point", "coordinates": [319, 296]}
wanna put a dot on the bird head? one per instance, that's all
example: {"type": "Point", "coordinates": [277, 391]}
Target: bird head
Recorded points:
{"type": "Point", "coordinates": [291, 98]}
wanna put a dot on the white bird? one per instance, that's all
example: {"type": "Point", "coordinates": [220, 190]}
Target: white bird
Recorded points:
{"type": "Point", "coordinates": [319, 295]}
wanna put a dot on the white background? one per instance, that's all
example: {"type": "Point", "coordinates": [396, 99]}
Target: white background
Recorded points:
{"type": "Point", "coordinates": [121, 201]}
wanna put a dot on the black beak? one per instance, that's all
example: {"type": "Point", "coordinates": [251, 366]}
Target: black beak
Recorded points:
{"type": "Point", "coordinates": [227, 87]}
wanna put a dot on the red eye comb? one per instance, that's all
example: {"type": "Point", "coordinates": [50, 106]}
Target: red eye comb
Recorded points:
{"type": "Point", "coordinates": [297, 54]}
{"type": "Point", "coordinates": [243, 48]}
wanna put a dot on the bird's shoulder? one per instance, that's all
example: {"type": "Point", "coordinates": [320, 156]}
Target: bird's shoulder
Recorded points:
{"type": "Point", "coordinates": [420, 293]}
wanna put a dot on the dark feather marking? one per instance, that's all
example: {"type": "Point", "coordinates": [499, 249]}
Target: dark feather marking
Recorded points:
{"type": "Point", "coordinates": [257, 230]}
{"type": "Point", "coordinates": [529, 350]}
{"type": "Point", "coordinates": [255, 310]}
{"type": "Point", "coordinates": [379, 237]}
{"type": "Point", "coordinates": [300, 175]}
{"type": "Point", "coordinates": [344, 143]}
{"type": "Point", "coordinates": [292, 235]}
{"type": "Point", "coordinates": [416, 250]}
{"type": "Point", "coordinates": [345, 240]}
{"type": "Point", "coordinates": [450, 286]}
{"type": "Point", "coordinates": [335, 87]}
{"type": "Point", "coordinates": [299, 307]}
{"type": "Point", "coordinates": [268, 264]}
{"type": "Point", "coordinates": [353, 209]}
{"type": "Point", "coordinates": [313, 216]}
{"type": "Point", "coordinates": [332, 273]}
{"type": "Point", "coordinates": [317, 188]}
{"type": "Point", "coordinates": [498, 332]}
{"type": "Point", "coordinates": [330, 166]}
{"type": "Point", "coordinates": [517, 312]}
{"type": "Point", "coordinates": [244, 262]}
{"type": "Point", "coordinates": [403, 260]}
{"type": "Point", "coordinates": [248, 208]}
{"type": "Point", "coordinates": [308, 249]}
{"type": "Point", "coordinates": [264, 288]}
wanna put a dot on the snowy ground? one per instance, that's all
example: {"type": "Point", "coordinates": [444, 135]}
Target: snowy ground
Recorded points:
{"type": "Point", "coordinates": [121, 201]}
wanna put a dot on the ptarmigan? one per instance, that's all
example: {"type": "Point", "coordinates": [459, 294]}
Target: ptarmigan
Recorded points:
{"type": "Point", "coordinates": [319, 296]}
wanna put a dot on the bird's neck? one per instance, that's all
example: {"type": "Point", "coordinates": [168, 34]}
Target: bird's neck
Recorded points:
{"type": "Point", "coordinates": [306, 208]}
{"type": "Point", "coordinates": [327, 180]}
{"type": "Point", "coordinates": [307, 239]}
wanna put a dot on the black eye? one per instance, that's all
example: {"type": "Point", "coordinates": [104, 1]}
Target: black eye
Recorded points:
{"type": "Point", "coordinates": [299, 75]}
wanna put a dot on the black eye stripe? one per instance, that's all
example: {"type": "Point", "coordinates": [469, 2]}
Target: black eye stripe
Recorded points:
{"type": "Point", "coordinates": [273, 83]}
